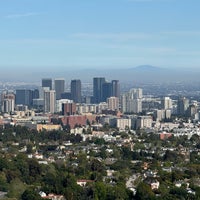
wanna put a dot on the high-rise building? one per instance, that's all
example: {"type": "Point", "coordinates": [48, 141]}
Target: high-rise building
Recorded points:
{"type": "Point", "coordinates": [131, 102]}
{"type": "Point", "coordinates": [59, 86]}
{"type": "Point", "coordinates": [25, 97]}
{"type": "Point", "coordinates": [136, 93]}
{"type": "Point", "coordinates": [166, 103]}
{"type": "Point", "coordinates": [182, 105]}
{"type": "Point", "coordinates": [115, 88]}
{"type": "Point", "coordinates": [106, 91]}
{"type": "Point", "coordinates": [97, 89]}
{"type": "Point", "coordinates": [113, 103]}
{"type": "Point", "coordinates": [49, 101]}
{"type": "Point", "coordinates": [47, 82]}
{"type": "Point", "coordinates": [8, 103]}
{"type": "Point", "coordinates": [76, 91]}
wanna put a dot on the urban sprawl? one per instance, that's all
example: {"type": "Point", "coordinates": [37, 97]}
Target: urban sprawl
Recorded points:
{"type": "Point", "coordinates": [98, 141]}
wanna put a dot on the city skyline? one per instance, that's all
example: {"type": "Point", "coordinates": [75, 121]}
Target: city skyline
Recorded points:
{"type": "Point", "coordinates": [66, 35]}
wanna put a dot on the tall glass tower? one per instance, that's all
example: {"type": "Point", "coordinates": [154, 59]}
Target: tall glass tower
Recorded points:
{"type": "Point", "coordinates": [76, 91]}
{"type": "Point", "coordinates": [59, 86]}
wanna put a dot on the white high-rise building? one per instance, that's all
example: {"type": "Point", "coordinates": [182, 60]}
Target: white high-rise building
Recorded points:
{"type": "Point", "coordinates": [113, 103]}
{"type": "Point", "coordinates": [123, 103]}
{"type": "Point", "coordinates": [49, 101]}
{"type": "Point", "coordinates": [136, 93]}
{"type": "Point", "coordinates": [167, 103]}
{"type": "Point", "coordinates": [131, 102]}
{"type": "Point", "coordinates": [8, 105]}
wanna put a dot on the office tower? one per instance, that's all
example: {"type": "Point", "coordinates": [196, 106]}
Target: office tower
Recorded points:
{"type": "Point", "coordinates": [115, 88]}
{"type": "Point", "coordinates": [47, 83]}
{"type": "Point", "coordinates": [113, 103]}
{"type": "Point", "coordinates": [106, 91]}
{"type": "Point", "coordinates": [59, 86]}
{"type": "Point", "coordinates": [192, 110]}
{"type": "Point", "coordinates": [76, 91]}
{"type": "Point", "coordinates": [182, 105]}
{"type": "Point", "coordinates": [68, 109]}
{"type": "Point", "coordinates": [49, 101]}
{"type": "Point", "coordinates": [23, 97]}
{"type": "Point", "coordinates": [38, 104]}
{"type": "Point", "coordinates": [35, 94]}
{"type": "Point", "coordinates": [166, 103]}
{"type": "Point", "coordinates": [66, 95]}
{"type": "Point", "coordinates": [97, 89]}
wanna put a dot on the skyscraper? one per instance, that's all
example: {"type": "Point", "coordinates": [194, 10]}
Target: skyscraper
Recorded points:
{"type": "Point", "coordinates": [59, 86]}
{"type": "Point", "coordinates": [115, 88]}
{"type": "Point", "coordinates": [47, 82]}
{"type": "Point", "coordinates": [182, 105]}
{"type": "Point", "coordinates": [25, 97]}
{"type": "Point", "coordinates": [49, 101]}
{"type": "Point", "coordinates": [106, 91]}
{"type": "Point", "coordinates": [76, 91]}
{"type": "Point", "coordinates": [97, 89]}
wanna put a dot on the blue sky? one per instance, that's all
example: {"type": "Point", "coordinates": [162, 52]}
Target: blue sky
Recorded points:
{"type": "Point", "coordinates": [72, 34]}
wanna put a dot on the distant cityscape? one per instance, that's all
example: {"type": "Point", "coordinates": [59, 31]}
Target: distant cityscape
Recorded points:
{"type": "Point", "coordinates": [129, 107]}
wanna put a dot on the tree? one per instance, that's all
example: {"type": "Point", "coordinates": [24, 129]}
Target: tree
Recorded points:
{"type": "Point", "coordinates": [29, 194]}
{"type": "Point", "coordinates": [100, 191]}
{"type": "Point", "coordinates": [144, 192]}
{"type": "Point", "coordinates": [16, 188]}
{"type": "Point", "coordinates": [34, 169]}
{"type": "Point", "coordinates": [96, 165]}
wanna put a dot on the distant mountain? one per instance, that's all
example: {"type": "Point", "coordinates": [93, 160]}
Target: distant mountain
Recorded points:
{"type": "Point", "coordinates": [142, 73]}
{"type": "Point", "coordinates": [146, 68]}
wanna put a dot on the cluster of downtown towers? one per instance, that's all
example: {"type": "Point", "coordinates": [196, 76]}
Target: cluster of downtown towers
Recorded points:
{"type": "Point", "coordinates": [102, 90]}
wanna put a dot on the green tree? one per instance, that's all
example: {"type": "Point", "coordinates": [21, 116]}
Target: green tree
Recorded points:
{"type": "Point", "coordinates": [144, 192]}
{"type": "Point", "coordinates": [16, 188]}
{"type": "Point", "coordinates": [29, 194]}
{"type": "Point", "coordinates": [100, 191]}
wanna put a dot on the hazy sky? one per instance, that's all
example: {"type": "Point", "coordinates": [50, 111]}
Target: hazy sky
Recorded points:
{"type": "Point", "coordinates": [58, 34]}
